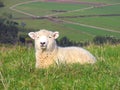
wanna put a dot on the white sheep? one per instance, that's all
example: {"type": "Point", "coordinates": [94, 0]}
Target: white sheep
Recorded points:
{"type": "Point", "coordinates": [48, 53]}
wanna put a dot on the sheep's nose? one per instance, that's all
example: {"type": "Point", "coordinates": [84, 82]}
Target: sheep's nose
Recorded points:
{"type": "Point", "coordinates": [42, 43]}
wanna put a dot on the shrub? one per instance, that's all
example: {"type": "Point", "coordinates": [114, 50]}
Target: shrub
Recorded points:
{"type": "Point", "coordinates": [1, 4]}
{"type": "Point", "coordinates": [99, 40]}
{"type": "Point", "coordinates": [8, 31]}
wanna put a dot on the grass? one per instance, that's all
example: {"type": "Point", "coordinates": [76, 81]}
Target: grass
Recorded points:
{"type": "Point", "coordinates": [84, 33]}
{"type": "Point", "coordinates": [104, 22]}
{"type": "Point", "coordinates": [110, 22]}
{"type": "Point", "coordinates": [17, 63]}
{"type": "Point", "coordinates": [45, 8]}
{"type": "Point", "coordinates": [74, 32]}
{"type": "Point", "coordinates": [92, 32]}
{"type": "Point", "coordinates": [114, 9]}
{"type": "Point", "coordinates": [17, 71]}
{"type": "Point", "coordinates": [101, 1]}
{"type": "Point", "coordinates": [7, 11]}
{"type": "Point", "coordinates": [65, 29]}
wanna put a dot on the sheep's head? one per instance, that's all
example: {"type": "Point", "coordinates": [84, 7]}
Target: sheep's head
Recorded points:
{"type": "Point", "coordinates": [44, 39]}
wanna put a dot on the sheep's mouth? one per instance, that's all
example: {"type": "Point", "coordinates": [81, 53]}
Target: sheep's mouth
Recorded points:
{"type": "Point", "coordinates": [43, 47]}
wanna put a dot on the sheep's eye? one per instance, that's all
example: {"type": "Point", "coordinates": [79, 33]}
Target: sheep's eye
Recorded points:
{"type": "Point", "coordinates": [37, 36]}
{"type": "Point", "coordinates": [50, 37]}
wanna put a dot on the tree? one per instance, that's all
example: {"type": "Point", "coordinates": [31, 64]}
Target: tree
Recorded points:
{"type": "Point", "coordinates": [1, 4]}
{"type": "Point", "coordinates": [8, 31]}
{"type": "Point", "coordinates": [64, 41]}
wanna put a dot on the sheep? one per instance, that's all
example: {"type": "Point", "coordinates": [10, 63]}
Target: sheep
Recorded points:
{"type": "Point", "coordinates": [48, 53]}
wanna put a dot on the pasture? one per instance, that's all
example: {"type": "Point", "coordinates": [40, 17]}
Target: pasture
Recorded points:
{"type": "Point", "coordinates": [102, 20]}
{"type": "Point", "coordinates": [43, 8]}
{"type": "Point", "coordinates": [106, 17]}
{"type": "Point", "coordinates": [17, 63]}
{"type": "Point", "coordinates": [17, 71]}
{"type": "Point", "coordinates": [101, 1]}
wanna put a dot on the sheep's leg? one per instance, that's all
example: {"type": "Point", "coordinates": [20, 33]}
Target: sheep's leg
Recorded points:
{"type": "Point", "coordinates": [37, 64]}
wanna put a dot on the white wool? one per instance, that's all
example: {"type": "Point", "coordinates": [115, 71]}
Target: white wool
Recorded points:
{"type": "Point", "coordinates": [74, 55]}
{"type": "Point", "coordinates": [43, 39]}
{"type": "Point", "coordinates": [52, 54]}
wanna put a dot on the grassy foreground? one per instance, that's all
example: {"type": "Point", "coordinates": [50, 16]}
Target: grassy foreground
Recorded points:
{"type": "Point", "coordinates": [17, 71]}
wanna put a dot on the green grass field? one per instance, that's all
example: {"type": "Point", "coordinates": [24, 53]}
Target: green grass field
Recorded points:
{"type": "Point", "coordinates": [101, 1]}
{"type": "Point", "coordinates": [17, 71]}
{"type": "Point", "coordinates": [64, 29]}
{"type": "Point", "coordinates": [17, 63]}
{"type": "Point", "coordinates": [110, 22]}
{"type": "Point", "coordinates": [84, 33]}
{"type": "Point", "coordinates": [114, 9]}
{"type": "Point", "coordinates": [104, 22]}
{"type": "Point", "coordinates": [43, 8]}
{"type": "Point", "coordinates": [9, 3]}
{"type": "Point", "coordinates": [92, 32]}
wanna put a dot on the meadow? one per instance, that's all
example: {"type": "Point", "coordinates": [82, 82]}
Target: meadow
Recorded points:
{"type": "Point", "coordinates": [106, 25]}
{"type": "Point", "coordinates": [43, 8]}
{"type": "Point", "coordinates": [105, 22]}
{"type": "Point", "coordinates": [17, 63]}
{"type": "Point", "coordinates": [18, 71]}
{"type": "Point", "coordinates": [101, 1]}
{"type": "Point", "coordinates": [110, 22]}
{"type": "Point", "coordinates": [111, 9]}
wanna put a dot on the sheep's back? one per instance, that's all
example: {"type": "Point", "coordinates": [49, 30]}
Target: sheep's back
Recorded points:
{"type": "Point", "coordinates": [74, 54]}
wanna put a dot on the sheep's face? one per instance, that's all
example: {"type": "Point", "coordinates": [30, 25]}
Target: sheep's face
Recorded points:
{"type": "Point", "coordinates": [44, 39]}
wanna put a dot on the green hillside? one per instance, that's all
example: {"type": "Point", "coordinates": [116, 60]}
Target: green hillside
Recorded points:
{"type": "Point", "coordinates": [108, 22]}
{"type": "Point", "coordinates": [111, 23]}
{"type": "Point", "coordinates": [101, 1]}
{"type": "Point", "coordinates": [17, 71]}
{"type": "Point", "coordinates": [46, 8]}
{"type": "Point", "coordinates": [81, 33]}
{"type": "Point", "coordinates": [17, 63]}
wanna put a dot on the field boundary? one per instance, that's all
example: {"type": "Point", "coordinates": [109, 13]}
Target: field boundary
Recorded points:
{"type": "Point", "coordinates": [90, 26]}
{"type": "Point", "coordinates": [28, 14]}
{"type": "Point", "coordinates": [50, 16]}
{"type": "Point", "coordinates": [19, 11]}
{"type": "Point", "coordinates": [70, 11]}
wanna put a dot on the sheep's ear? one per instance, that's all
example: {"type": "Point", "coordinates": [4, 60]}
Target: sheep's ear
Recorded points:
{"type": "Point", "coordinates": [56, 34]}
{"type": "Point", "coordinates": [32, 35]}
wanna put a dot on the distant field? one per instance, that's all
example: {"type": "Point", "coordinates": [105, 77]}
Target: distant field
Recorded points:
{"type": "Point", "coordinates": [112, 23]}
{"type": "Point", "coordinates": [64, 29]}
{"type": "Point", "coordinates": [84, 33]}
{"type": "Point", "coordinates": [45, 8]}
{"type": "Point", "coordinates": [9, 3]}
{"type": "Point", "coordinates": [101, 1]}
{"type": "Point", "coordinates": [93, 32]}
{"type": "Point", "coordinates": [72, 31]}
{"type": "Point", "coordinates": [97, 11]}
{"type": "Point", "coordinates": [17, 63]}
